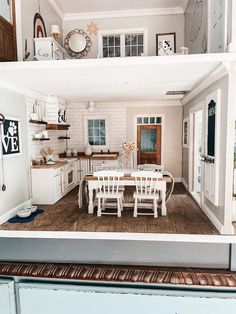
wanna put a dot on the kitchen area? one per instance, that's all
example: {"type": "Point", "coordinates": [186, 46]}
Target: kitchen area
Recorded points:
{"type": "Point", "coordinates": [57, 167]}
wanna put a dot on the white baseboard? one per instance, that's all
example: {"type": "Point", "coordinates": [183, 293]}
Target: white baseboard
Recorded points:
{"type": "Point", "coordinates": [185, 184]}
{"type": "Point", "coordinates": [216, 222]}
{"type": "Point", "coordinates": [12, 212]}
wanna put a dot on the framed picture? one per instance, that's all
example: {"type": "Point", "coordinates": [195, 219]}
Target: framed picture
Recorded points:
{"type": "Point", "coordinates": [165, 44]}
{"type": "Point", "coordinates": [11, 137]}
{"type": "Point", "coordinates": [185, 132]}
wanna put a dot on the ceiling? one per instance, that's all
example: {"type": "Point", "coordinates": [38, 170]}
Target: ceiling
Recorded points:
{"type": "Point", "coordinates": [109, 80]}
{"type": "Point", "coordinates": [91, 6]}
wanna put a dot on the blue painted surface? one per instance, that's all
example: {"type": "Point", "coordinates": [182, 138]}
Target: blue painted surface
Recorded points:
{"type": "Point", "coordinates": [7, 298]}
{"type": "Point", "coordinates": [49, 299]}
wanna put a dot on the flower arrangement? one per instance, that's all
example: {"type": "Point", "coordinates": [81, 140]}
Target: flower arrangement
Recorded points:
{"type": "Point", "coordinates": [128, 149]}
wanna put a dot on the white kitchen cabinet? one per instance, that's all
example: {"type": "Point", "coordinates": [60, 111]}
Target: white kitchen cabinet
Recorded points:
{"type": "Point", "coordinates": [47, 48]}
{"type": "Point", "coordinates": [7, 297]}
{"type": "Point", "coordinates": [99, 164]}
{"type": "Point", "coordinates": [48, 185]}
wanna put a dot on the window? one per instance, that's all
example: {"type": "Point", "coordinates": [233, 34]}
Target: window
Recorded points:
{"type": "Point", "coordinates": [149, 120]}
{"type": "Point", "coordinates": [123, 43]}
{"type": "Point", "coordinates": [96, 131]}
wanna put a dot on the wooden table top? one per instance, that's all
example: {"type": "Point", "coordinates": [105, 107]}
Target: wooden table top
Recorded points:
{"type": "Point", "coordinates": [125, 178]}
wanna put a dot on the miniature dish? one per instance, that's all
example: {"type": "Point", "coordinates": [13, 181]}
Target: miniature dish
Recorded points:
{"type": "Point", "coordinates": [24, 213]}
{"type": "Point", "coordinates": [32, 208]}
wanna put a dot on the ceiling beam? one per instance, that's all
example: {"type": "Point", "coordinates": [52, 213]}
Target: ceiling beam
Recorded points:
{"type": "Point", "coordinates": [57, 8]}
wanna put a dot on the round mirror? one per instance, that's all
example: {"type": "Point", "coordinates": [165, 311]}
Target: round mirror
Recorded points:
{"type": "Point", "coordinates": [77, 43]}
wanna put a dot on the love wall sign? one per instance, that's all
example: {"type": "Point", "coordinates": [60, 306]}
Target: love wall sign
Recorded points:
{"type": "Point", "coordinates": [11, 141]}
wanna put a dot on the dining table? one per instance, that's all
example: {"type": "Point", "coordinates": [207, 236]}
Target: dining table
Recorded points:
{"type": "Point", "coordinates": [127, 181]}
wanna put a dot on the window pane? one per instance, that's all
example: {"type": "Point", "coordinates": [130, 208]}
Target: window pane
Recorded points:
{"type": "Point", "coordinates": [102, 123]}
{"type": "Point", "coordinates": [5, 10]}
{"type": "Point", "coordinates": [105, 52]}
{"type": "Point", "coordinates": [133, 39]}
{"type": "Point", "coordinates": [127, 51]}
{"type": "Point", "coordinates": [117, 41]}
{"type": "Point", "coordinates": [145, 120]}
{"type": "Point", "coordinates": [102, 141]}
{"type": "Point", "coordinates": [117, 52]}
{"type": "Point", "coordinates": [158, 120]}
{"type": "Point", "coordinates": [148, 140]}
{"type": "Point", "coordinates": [127, 40]}
{"type": "Point", "coordinates": [90, 123]}
{"type": "Point", "coordinates": [102, 132]}
{"type": "Point", "coordinates": [134, 51]}
{"type": "Point", "coordinates": [111, 52]}
{"type": "Point", "coordinates": [140, 50]}
{"type": "Point", "coordinates": [111, 41]}
{"type": "Point", "coordinates": [140, 39]}
{"type": "Point", "coordinates": [152, 120]}
{"type": "Point", "coordinates": [96, 123]}
{"type": "Point", "coordinates": [139, 120]}
{"type": "Point", "coordinates": [105, 41]}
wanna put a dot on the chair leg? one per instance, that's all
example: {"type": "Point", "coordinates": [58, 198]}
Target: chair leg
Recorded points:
{"type": "Point", "coordinates": [135, 208]}
{"type": "Point", "coordinates": [103, 203]}
{"type": "Point", "coordinates": [118, 207]}
{"type": "Point", "coordinates": [155, 208]}
{"type": "Point", "coordinates": [121, 203]}
{"type": "Point", "coordinates": [99, 214]}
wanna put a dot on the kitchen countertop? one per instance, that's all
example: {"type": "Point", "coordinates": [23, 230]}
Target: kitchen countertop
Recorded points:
{"type": "Point", "coordinates": [57, 165]}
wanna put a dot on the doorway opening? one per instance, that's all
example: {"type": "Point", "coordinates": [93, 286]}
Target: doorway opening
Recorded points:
{"type": "Point", "coordinates": [196, 150]}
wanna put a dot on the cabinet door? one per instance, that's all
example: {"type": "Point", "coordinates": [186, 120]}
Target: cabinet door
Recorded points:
{"type": "Point", "coordinates": [50, 299]}
{"type": "Point", "coordinates": [58, 186]}
{"type": "Point", "coordinates": [7, 297]}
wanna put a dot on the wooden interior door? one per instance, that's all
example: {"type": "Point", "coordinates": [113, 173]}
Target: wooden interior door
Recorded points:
{"type": "Point", "coordinates": [7, 31]}
{"type": "Point", "coordinates": [149, 144]}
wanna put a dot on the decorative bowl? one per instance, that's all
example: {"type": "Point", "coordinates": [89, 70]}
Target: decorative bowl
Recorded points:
{"type": "Point", "coordinates": [24, 213]}
{"type": "Point", "coordinates": [32, 208]}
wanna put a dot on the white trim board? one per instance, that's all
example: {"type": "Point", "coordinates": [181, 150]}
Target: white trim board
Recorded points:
{"type": "Point", "coordinates": [57, 8]}
{"type": "Point", "coordinates": [185, 184]}
{"type": "Point", "coordinates": [12, 212]}
{"type": "Point", "coordinates": [122, 14]}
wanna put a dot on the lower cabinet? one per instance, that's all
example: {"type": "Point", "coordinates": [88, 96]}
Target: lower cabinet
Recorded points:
{"type": "Point", "coordinates": [7, 297]}
{"type": "Point", "coordinates": [59, 299]}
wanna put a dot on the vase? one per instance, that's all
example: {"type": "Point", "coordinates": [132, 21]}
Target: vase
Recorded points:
{"type": "Point", "coordinates": [88, 150]}
{"type": "Point", "coordinates": [128, 160]}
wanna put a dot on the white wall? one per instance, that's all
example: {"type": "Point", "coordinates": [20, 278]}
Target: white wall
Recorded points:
{"type": "Point", "coordinates": [223, 85]}
{"type": "Point", "coordinates": [121, 128]}
{"type": "Point", "coordinates": [28, 9]}
{"type": "Point", "coordinates": [194, 40]}
{"type": "Point", "coordinates": [155, 25]}
{"type": "Point", "coordinates": [35, 147]}
{"type": "Point", "coordinates": [16, 168]}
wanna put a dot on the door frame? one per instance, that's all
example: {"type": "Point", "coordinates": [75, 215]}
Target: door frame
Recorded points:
{"type": "Point", "coordinates": [192, 111]}
{"type": "Point", "coordinates": [149, 115]}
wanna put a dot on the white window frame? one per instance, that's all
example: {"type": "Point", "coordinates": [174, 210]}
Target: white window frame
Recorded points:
{"type": "Point", "coordinates": [96, 117]}
{"type": "Point", "coordinates": [122, 33]}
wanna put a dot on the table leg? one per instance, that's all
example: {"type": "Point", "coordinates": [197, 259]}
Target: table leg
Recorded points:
{"type": "Point", "coordinates": [163, 203]}
{"type": "Point", "coordinates": [91, 205]}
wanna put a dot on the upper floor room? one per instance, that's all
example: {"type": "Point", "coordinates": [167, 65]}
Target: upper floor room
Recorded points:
{"type": "Point", "coordinates": [65, 29]}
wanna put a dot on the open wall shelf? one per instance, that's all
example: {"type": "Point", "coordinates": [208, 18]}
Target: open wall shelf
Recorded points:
{"type": "Point", "coordinates": [37, 122]}
{"type": "Point", "coordinates": [64, 138]}
{"type": "Point", "coordinates": [57, 127]}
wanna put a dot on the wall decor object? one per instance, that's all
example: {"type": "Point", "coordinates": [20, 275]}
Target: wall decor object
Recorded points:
{"type": "Point", "coordinates": [196, 20]}
{"type": "Point", "coordinates": [165, 44]}
{"type": "Point", "coordinates": [39, 26]}
{"type": "Point", "coordinates": [211, 128]}
{"type": "Point", "coordinates": [185, 133]}
{"type": "Point", "coordinates": [11, 137]}
{"type": "Point", "coordinates": [77, 43]}
{"type": "Point", "coordinates": [92, 29]}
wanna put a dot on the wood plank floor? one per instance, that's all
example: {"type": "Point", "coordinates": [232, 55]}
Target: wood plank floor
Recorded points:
{"type": "Point", "coordinates": [184, 217]}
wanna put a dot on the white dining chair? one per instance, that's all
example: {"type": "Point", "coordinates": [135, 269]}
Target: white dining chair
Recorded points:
{"type": "Point", "coordinates": [151, 167]}
{"type": "Point", "coordinates": [147, 189]}
{"type": "Point", "coordinates": [109, 188]}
